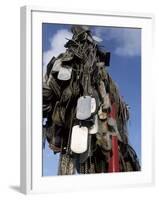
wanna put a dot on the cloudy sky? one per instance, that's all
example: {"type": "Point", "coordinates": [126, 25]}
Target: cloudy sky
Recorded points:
{"type": "Point", "coordinates": [125, 69]}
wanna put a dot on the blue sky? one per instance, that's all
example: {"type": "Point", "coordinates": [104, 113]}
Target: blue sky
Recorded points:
{"type": "Point", "coordinates": [125, 69]}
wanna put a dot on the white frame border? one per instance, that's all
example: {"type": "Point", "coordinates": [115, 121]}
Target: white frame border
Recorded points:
{"type": "Point", "coordinates": [30, 183]}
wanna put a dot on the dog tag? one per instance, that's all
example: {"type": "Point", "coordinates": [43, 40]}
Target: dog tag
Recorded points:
{"type": "Point", "coordinates": [94, 128]}
{"type": "Point", "coordinates": [93, 105]}
{"type": "Point", "coordinates": [45, 121]}
{"type": "Point", "coordinates": [64, 73]}
{"type": "Point", "coordinates": [57, 65]}
{"type": "Point", "coordinates": [79, 139]}
{"type": "Point", "coordinates": [83, 108]}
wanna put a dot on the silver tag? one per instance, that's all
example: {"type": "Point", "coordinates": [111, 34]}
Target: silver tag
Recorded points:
{"type": "Point", "coordinates": [79, 139]}
{"type": "Point", "coordinates": [93, 105]}
{"type": "Point", "coordinates": [83, 108]}
{"type": "Point", "coordinates": [64, 74]}
{"type": "Point", "coordinates": [57, 65]}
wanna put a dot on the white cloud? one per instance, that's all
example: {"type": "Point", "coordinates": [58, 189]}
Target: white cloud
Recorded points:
{"type": "Point", "coordinates": [127, 40]}
{"type": "Point", "coordinates": [57, 43]}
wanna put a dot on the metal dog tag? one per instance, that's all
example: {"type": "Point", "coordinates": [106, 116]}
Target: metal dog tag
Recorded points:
{"type": "Point", "coordinates": [79, 139]}
{"type": "Point", "coordinates": [64, 74]}
{"type": "Point", "coordinates": [93, 105]}
{"type": "Point", "coordinates": [57, 65]}
{"type": "Point", "coordinates": [84, 107]}
{"type": "Point", "coordinates": [94, 128]}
